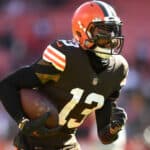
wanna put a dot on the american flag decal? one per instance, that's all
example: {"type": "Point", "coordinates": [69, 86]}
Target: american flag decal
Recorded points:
{"type": "Point", "coordinates": [55, 57]}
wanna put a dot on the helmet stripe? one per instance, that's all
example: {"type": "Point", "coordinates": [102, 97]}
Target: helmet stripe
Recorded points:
{"type": "Point", "coordinates": [107, 9]}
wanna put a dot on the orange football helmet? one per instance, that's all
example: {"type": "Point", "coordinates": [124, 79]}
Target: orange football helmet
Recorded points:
{"type": "Point", "coordinates": [96, 26]}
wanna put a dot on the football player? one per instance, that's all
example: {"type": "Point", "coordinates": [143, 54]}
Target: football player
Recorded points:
{"type": "Point", "coordinates": [80, 76]}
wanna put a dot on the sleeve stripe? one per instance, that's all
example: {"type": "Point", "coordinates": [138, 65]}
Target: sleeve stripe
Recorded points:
{"type": "Point", "coordinates": [56, 53]}
{"type": "Point", "coordinates": [55, 63]}
{"type": "Point", "coordinates": [55, 57]}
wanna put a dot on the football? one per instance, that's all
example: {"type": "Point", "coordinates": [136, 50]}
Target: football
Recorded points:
{"type": "Point", "coordinates": [35, 104]}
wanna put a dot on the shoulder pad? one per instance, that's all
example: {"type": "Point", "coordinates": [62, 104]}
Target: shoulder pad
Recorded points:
{"type": "Point", "coordinates": [122, 61]}
{"type": "Point", "coordinates": [122, 65]}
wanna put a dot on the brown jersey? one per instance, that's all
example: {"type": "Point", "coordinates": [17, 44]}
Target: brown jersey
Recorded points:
{"type": "Point", "coordinates": [75, 87]}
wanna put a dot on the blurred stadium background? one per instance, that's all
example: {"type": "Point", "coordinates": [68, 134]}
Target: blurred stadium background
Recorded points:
{"type": "Point", "coordinates": [27, 26]}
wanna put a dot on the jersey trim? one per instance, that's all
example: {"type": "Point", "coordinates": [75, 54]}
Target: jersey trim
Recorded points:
{"type": "Point", "coordinates": [55, 57]}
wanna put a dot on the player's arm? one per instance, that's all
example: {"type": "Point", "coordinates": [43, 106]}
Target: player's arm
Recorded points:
{"type": "Point", "coordinates": [110, 120]}
{"type": "Point", "coordinates": [26, 77]}
{"type": "Point", "coordinates": [9, 87]}
{"type": "Point", "coordinates": [35, 75]}
{"type": "Point", "coordinates": [103, 120]}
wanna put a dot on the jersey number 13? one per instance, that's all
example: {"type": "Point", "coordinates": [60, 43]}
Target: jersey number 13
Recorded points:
{"type": "Point", "coordinates": [72, 104]}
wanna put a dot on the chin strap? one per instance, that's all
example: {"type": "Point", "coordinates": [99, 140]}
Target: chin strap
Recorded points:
{"type": "Point", "coordinates": [102, 52]}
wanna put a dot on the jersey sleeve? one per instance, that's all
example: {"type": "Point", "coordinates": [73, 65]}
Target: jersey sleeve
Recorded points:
{"type": "Point", "coordinates": [51, 64]}
{"type": "Point", "coordinates": [52, 54]}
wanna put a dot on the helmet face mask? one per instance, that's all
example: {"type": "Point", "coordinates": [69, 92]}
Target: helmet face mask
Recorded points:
{"type": "Point", "coordinates": [97, 28]}
{"type": "Point", "coordinates": [107, 36]}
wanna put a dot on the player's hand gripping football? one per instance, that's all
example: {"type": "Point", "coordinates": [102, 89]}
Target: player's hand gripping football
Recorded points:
{"type": "Point", "coordinates": [34, 128]}
{"type": "Point", "coordinates": [37, 127]}
{"type": "Point", "coordinates": [118, 119]}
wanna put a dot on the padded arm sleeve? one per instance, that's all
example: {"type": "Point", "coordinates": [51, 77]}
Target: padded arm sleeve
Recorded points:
{"type": "Point", "coordinates": [103, 115]}
{"type": "Point", "coordinates": [9, 87]}
{"type": "Point", "coordinates": [103, 119]}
